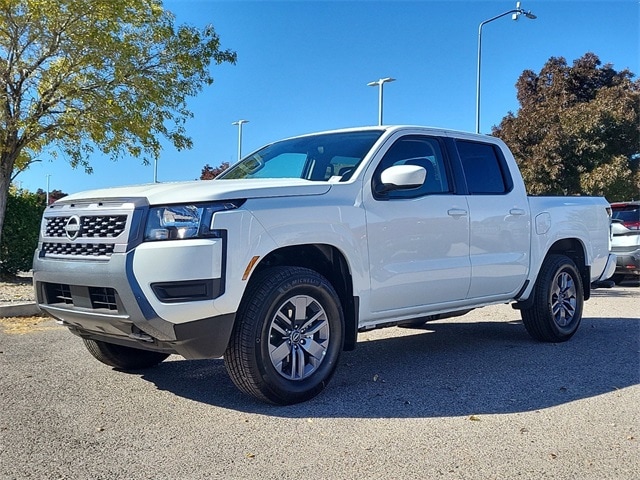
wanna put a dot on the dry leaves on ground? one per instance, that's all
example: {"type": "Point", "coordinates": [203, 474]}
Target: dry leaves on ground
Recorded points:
{"type": "Point", "coordinates": [23, 325]}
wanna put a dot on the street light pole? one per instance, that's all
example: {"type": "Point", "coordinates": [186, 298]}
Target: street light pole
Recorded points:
{"type": "Point", "coordinates": [239, 123]}
{"type": "Point", "coordinates": [516, 13]}
{"type": "Point", "coordinates": [380, 83]}
{"type": "Point", "coordinates": [48, 177]}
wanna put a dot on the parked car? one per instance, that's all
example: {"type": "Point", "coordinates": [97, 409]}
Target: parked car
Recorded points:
{"type": "Point", "coordinates": [626, 239]}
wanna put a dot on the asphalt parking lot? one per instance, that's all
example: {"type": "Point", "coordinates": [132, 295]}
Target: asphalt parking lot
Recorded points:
{"type": "Point", "coordinates": [466, 398]}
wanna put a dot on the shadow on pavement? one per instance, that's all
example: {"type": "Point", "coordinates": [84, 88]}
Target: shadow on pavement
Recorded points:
{"type": "Point", "coordinates": [446, 369]}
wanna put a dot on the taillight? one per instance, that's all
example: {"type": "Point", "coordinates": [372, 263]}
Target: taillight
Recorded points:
{"type": "Point", "coordinates": [634, 225]}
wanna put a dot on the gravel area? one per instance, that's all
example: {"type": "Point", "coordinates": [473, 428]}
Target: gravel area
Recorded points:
{"type": "Point", "coordinates": [17, 290]}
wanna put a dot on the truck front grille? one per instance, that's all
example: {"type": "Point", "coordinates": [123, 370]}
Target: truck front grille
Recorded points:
{"type": "Point", "coordinates": [93, 250]}
{"type": "Point", "coordinates": [90, 226]}
{"type": "Point", "coordinates": [90, 230]}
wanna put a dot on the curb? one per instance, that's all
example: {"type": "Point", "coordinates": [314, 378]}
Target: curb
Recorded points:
{"type": "Point", "coordinates": [27, 309]}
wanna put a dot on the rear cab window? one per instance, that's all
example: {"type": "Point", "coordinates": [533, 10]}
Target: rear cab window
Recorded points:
{"type": "Point", "coordinates": [484, 167]}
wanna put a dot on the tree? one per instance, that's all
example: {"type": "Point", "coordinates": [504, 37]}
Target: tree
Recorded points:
{"type": "Point", "coordinates": [109, 75]}
{"type": "Point", "coordinates": [53, 196]}
{"type": "Point", "coordinates": [209, 173]}
{"type": "Point", "coordinates": [577, 130]}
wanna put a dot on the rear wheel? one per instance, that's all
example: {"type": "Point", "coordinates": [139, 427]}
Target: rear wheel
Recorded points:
{"type": "Point", "coordinates": [288, 336]}
{"type": "Point", "coordinates": [125, 358]}
{"type": "Point", "coordinates": [557, 304]}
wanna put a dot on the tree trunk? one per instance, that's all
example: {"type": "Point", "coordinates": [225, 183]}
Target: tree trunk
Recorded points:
{"type": "Point", "coordinates": [6, 168]}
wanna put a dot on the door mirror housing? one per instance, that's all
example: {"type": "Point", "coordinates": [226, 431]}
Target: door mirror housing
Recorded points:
{"type": "Point", "coordinates": [401, 177]}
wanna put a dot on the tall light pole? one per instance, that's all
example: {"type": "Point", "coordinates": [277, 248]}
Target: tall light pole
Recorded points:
{"type": "Point", "coordinates": [239, 123]}
{"type": "Point", "coordinates": [48, 177]}
{"type": "Point", "coordinates": [380, 83]}
{"type": "Point", "coordinates": [516, 13]}
{"type": "Point", "coordinates": [155, 170]}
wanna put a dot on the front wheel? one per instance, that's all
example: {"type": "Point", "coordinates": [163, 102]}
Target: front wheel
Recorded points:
{"type": "Point", "coordinates": [124, 358]}
{"type": "Point", "coordinates": [618, 278]}
{"type": "Point", "coordinates": [288, 336]}
{"type": "Point", "coordinates": [557, 304]}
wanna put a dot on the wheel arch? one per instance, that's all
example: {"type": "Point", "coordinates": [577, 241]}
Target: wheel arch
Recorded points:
{"type": "Point", "coordinates": [575, 250]}
{"type": "Point", "coordinates": [332, 264]}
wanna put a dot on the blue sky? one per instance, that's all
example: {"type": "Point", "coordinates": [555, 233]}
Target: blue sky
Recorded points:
{"type": "Point", "coordinates": [303, 66]}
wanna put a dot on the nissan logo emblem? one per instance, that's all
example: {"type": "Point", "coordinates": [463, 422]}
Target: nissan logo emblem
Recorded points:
{"type": "Point", "coordinates": [72, 227]}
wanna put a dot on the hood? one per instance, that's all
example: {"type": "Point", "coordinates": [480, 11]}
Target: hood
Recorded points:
{"type": "Point", "coordinates": [207, 190]}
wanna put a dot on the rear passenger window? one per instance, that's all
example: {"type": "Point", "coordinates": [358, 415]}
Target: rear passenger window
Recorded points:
{"type": "Point", "coordinates": [484, 168]}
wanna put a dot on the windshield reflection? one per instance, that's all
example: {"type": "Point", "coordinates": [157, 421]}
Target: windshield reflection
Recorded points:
{"type": "Point", "coordinates": [317, 157]}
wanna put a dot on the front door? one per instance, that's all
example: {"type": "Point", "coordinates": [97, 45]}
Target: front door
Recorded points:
{"type": "Point", "coordinates": [419, 238]}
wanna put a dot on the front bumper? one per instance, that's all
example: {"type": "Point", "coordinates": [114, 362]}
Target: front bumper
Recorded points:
{"type": "Point", "coordinates": [103, 300]}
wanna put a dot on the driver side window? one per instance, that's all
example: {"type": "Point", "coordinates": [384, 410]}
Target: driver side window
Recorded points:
{"type": "Point", "coordinates": [421, 151]}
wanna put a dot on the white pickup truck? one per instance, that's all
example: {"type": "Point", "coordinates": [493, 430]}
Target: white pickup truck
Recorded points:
{"type": "Point", "coordinates": [278, 263]}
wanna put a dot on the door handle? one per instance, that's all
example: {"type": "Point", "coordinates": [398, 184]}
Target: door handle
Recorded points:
{"type": "Point", "coordinates": [456, 212]}
{"type": "Point", "coordinates": [517, 211]}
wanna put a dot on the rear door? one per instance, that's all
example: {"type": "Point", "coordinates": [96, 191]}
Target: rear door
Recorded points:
{"type": "Point", "coordinates": [500, 221]}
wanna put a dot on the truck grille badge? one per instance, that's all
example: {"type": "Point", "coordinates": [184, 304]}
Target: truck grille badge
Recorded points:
{"type": "Point", "coordinates": [72, 227]}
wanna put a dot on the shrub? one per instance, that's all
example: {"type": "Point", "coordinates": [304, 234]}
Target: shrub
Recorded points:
{"type": "Point", "coordinates": [20, 232]}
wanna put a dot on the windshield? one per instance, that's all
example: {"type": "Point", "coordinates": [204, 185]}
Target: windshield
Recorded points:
{"type": "Point", "coordinates": [313, 157]}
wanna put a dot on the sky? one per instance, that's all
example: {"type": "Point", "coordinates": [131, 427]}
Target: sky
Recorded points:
{"type": "Point", "coordinates": [303, 66]}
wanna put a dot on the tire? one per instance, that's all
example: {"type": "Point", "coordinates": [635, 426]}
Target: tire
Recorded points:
{"type": "Point", "coordinates": [288, 335]}
{"type": "Point", "coordinates": [123, 358]}
{"type": "Point", "coordinates": [618, 278]}
{"type": "Point", "coordinates": [557, 304]}
{"type": "Point", "coordinates": [412, 324]}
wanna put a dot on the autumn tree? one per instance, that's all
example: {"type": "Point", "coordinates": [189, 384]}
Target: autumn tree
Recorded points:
{"type": "Point", "coordinates": [577, 130]}
{"type": "Point", "coordinates": [112, 76]}
{"type": "Point", "coordinates": [53, 195]}
{"type": "Point", "coordinates": [209, 173]}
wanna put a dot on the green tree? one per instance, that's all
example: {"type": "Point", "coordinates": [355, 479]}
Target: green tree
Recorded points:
{"type": "Point", "coordinates": [115, 76]}
{"type": "Point", "coordinates": [209, 173]}
{"type": "Point", "coordinates": [22, 222]}
{"type": "Point", "coordinates": [577, 130]}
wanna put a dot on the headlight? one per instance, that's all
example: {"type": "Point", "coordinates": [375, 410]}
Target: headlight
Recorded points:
{"type": "Point", "coordinates": [176, 222]}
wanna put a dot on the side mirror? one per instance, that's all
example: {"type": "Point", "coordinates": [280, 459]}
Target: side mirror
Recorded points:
{"type": "Point", "coordinates": [401, 177]}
